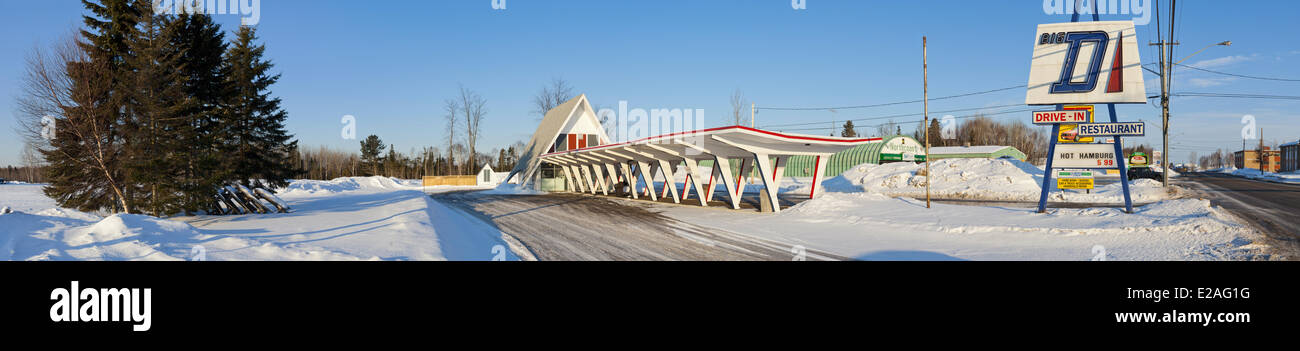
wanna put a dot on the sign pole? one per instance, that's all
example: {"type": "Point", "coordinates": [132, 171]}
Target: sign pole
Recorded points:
{"type": "Point", "coordinates": [1120, 161]}
{"type": "Point", "coordinates": [1047, 169]}
{"type": "Point", "coordinates": [925, 86]}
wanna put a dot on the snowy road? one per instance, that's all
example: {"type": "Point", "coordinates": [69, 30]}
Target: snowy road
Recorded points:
{"type": "Point", "coordinates": [1270, 207]}
{"type": "Point", "coordinates": [581, 227]}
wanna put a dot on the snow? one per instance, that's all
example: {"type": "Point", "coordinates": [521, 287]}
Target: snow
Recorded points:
{"type": "Point", "coordinates": [873, 226]}
{"type": "Point", "coordinates": [1292, 177]}
{"type": "Point", "coordinates": [962, 150]}
{"type": "Point", "coordinates": [976, 179]}
{"type": "Point", "coordinates": [358, 218]}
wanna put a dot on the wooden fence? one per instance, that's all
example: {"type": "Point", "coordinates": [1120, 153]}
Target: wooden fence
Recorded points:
{"type": "Point", "coordinates": [450, 180]}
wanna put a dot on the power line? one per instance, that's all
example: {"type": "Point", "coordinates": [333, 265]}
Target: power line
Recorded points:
{"type": "Point", "coordinates": [890, 116]}
{"type": "Point", "coordinates": [960, 117]}
{"type": "Point", "coordinates": [891, 103]}
{"type": "Point", "coordinates": [1238, 96]}
{"type": "Point", "coordinates": [1239, 75]}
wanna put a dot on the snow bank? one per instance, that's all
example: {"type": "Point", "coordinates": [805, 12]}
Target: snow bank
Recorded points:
{"type": "Point", "coordinates": [50, 236]}
{"type": "Point", "coordinates": [874, 226]}
{"type": "Point", "coordinates": [975, 179]}
{"type": "Point", "coordinates": [365, 218]}
{"type": "Point", "coordinates": [1251, 173]}
{"type": "Point", "coordinates": [347, 184]}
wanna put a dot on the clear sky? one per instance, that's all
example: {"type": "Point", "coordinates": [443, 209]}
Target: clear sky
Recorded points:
{"type": "Point", "coordinates": [392, 63]}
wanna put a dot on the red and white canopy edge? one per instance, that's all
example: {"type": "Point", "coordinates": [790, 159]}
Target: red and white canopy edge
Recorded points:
{"type": "Point", "coordinates": [599, 168]}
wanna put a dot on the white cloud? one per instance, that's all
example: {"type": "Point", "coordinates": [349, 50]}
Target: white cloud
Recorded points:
{"type": "Point", "coordinates": [1222, 61]}
{"type": "Point", "coordinates": [1208, 82]}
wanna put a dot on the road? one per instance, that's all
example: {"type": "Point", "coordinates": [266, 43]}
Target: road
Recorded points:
{"type": "Point", "coordinates": [1273, 208]}
{"type": "Point", "coordinates": [566, 226]}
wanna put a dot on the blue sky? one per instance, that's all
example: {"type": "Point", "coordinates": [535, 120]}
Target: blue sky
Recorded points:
{"type": "Point", "coordinates": [392, 63]}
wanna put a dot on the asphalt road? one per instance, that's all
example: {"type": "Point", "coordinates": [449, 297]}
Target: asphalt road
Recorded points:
{"type": "Point", "coordinates": [1273, 208]}
{"type": "Point", "coordinates": [565, 226]}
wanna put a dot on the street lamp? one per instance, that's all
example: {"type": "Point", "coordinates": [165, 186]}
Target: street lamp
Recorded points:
{"type": "Point", "coordinates": [1166, 83]}
{"type": "Point", "coordinates": [1225, 43]}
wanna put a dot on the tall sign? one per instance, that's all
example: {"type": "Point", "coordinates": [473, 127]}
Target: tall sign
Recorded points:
{"type": "Point", "coordinates": [1086, 63]}
{"type": "Point", "coordinates": [1083, 63]}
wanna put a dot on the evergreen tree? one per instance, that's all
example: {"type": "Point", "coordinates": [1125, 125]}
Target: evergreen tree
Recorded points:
{"type": "Point", "coordinates": [202, 44]}
{"type": "Point", "coordinates": [257, 146]}
{"type": "Point", "coordinates": [371, 148]}
{"type": "Point", "coordinates": [936, 134]}
{"type": "Point", "coordinates": [157, 126]}
{"type": "Point", "coordinates": [848, 131]}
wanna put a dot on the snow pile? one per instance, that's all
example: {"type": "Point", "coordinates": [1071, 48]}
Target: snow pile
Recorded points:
{"type": "Point", "coordinates": [49, 236]}
{"type": "Point", "coordinates": [347, 184]}
{"type": "Point", "coordinates": [976, 179]}
{"type": "Point", "coordinates": [873, 226]}
{"type": "Point", "coordinates": [371, 218]}
{"type": "Point", "coordinates": [1251, 173]}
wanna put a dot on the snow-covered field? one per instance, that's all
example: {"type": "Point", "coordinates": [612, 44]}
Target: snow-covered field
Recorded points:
{"type": "Point", "coordinates": [877, 227]}
{"type": "Point", "coordinates": [868, 213]}
{"type": "Point", "coordinates": [370, 218]}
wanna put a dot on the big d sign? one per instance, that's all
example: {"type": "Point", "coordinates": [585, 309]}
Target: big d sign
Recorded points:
{"type": "Point", "coordinates": [1085, 63]}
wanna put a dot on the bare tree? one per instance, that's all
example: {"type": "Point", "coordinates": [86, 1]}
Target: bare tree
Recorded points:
{"type": "Point", "coordinates": [738, 103]}
{"type": "Point", "coordinates": [552, 95]}
{"type": "Point", "coordinates": [451, 107]}
{"type": "Point", "coordinates": [473, 107]}
{"type": "Point", "coordinates": [46, 92]}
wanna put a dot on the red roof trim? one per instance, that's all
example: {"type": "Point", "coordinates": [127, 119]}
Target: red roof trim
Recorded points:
{"type": "Point", "coordinates": [775, 134]}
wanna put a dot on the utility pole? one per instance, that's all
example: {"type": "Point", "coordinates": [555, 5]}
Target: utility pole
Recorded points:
{"type": "Point", "coordinates": [1166, 72]}
{"type": "Point", "coordinates": [1259, 154]}
{"type": "Point", "coordinates": [752, 111]}
{"type": "Point", "coordinates": [925, 88]}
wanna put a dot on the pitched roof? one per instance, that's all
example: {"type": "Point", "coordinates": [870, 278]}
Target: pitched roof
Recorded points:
{"type": "Point", "coordinates": [549, 129]}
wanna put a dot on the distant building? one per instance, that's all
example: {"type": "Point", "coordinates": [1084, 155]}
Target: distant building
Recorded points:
{"type": "Point", "coordinates": [1272, 160]}
{"type": "Point", "coordinates": [1290, 155]}
{"type": "Point", "coordinates": [488, 177]}
{"type": "Point", "coordinates": [981, 151]}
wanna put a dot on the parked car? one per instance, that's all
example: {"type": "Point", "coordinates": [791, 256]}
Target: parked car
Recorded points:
{"type": "Point", "coordinates": [1136, 173]}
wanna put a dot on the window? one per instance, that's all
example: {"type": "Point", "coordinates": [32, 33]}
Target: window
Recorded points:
{"type": "Point", "coordinates": [560, 143]}
{"type": "Point", "coordinates": [573, 141]}
{"type": "Point", "coordinates": [593, 140]}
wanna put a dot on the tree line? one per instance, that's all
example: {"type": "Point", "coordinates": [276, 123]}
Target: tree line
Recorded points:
{"type": "Point", "coordinates": [144, 112]}
{"type": "Point", "coordinates": [979, 130]}
{"type": "Point", "coordinates": [379, 159]}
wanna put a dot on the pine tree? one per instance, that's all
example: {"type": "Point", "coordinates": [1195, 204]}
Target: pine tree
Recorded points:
{"type": "Point", "coordinates": [848, 131]}
{"type": "Point", "coordinates": [202, 45]}
{"type": "Point", "coordinates": [371, 148]}
{"type": "Point", "coordinates": [936, 133]}
{"type": "Point", "coordinates": [258, 149]}
{"type": "Point", "coordinates": [156, 105]}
